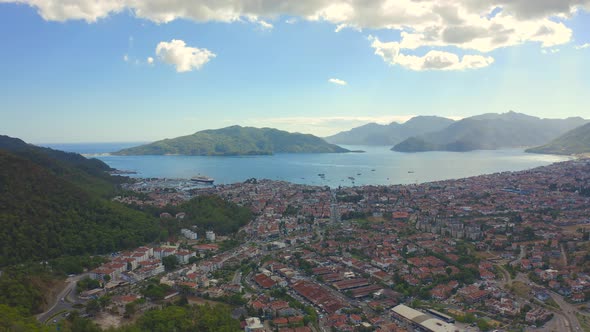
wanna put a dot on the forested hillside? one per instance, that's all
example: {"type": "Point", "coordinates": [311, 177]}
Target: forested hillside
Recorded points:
{"type": "Point", "coordinates": [45, 216]}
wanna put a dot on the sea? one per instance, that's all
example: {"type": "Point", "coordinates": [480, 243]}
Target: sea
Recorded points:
{"type": "Point", "coordinates": [376, 166]}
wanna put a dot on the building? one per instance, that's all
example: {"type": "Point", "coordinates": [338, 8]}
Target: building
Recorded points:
{"type": "Point", "coordinates": [210, 235]}
{"type": "Point", "coordinates": [253, 324]}
{"type": "Point", "coordinates": [189, 234]}
{"type": "Point", "coordinates": [421, 321]}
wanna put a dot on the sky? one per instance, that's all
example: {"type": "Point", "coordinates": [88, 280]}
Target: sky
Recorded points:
{"type": "Point", "coordinates": [131, 71]}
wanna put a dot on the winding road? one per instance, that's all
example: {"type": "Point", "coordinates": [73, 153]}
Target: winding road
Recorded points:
{"type": "Point", "coordinates": [64, 300]}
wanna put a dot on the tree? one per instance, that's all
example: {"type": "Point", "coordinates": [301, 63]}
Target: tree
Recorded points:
{"type": "Point", "coordinates": [170, 262]}
{"type": "Point", "coordinates": [14, 319]}
{"type": "Point", "coordinates": [92, 307]}
{"type": "Point", "coordinates": [130, 309]}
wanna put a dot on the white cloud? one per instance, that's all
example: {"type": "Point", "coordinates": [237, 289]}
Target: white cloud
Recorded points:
{"type": "Point", "coordinates": [337, 81]}
{"type": "Point", "coordinates": [391, 53]}
{"type": "Point", "coordinates": [550, 51]}
{"type": "Point", "coordinates": [265, 25]}
{"type": "Point", "coordinates": [125, 58]}
{"type": "Point", "coordinates": [150, 60]}
{"type": "Point", "coordinates": [583, 46]}
{"type": "Point", "coordinates": [472, 25]}
{"type": "Point", "coordinates": [183, 57]}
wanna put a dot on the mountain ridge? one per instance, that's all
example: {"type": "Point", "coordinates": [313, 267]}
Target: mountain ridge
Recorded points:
{"type": "Point", "coordinates": [236, 140]}
{"type": "Point", "coordinates": [489, 132]}
{"type": "Point", "coordinates": [390, 134]}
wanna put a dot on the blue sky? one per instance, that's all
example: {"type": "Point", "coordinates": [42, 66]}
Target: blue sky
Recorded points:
{"type": "Point", "coordinates": [70, 77]}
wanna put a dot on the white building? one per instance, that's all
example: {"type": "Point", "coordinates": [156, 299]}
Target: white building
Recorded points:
{"type": "Point", "coordinates": [210, 235]}
{"type": "Point", "coordinates": [189, 234]}
{"type": "Point", "coordinates": [253, 324]}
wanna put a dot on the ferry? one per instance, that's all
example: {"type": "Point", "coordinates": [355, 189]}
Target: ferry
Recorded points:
{"type": "Point", "coordinates": [203, 179]}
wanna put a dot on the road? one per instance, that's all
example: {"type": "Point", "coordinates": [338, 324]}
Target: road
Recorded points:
{"type": "Point", "coordinates": [558, 324]}
{"type": "Point", "coordinates": [569, 311]}
{"type": "Point", "coordinates": [506, 274]}
{"type": "Point", "coordinates": [563, 255]}
{"type": "Point", "coordinates": [69, 299]}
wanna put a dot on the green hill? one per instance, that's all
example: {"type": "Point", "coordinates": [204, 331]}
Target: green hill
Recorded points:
{"type": "Point", "coordinates": [236, 140]}
{"type": "Point", "coordinates": [91, 174]}
{"type": "Point", "coordinates": [54, 203]}
{"type": "Point", "coordinates": [576, 141]}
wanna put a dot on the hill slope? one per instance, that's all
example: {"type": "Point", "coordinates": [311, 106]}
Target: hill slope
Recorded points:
{"type": "Point", "coordinates": [91, 174]}
{"type": "Point", "coordinates": [391, 134]}
{"type": "Point", "coordinates": [236, 140]}
{"type": "Point", "coordinates": [52, 203]}
{"type": "Point", "coordinates": [576, 141]}
{"type": "Point", "coordinates": [489, 132]}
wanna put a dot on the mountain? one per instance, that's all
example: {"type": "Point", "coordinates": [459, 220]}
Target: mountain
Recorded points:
{"type": "Point", "coordinates": [491, 131]}
{"type": "Point", "coordinates": [54, 203]}
{"type": "Point", "coordinates": [391, 134]}
{"type": "Point", "coordinates": [576, 141]}
{"type": "Point", "coordinates": [92, 174]}
{"type": "Point", "coordinates": [236, 140]}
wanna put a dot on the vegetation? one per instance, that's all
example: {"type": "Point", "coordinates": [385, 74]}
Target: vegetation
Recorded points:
{"type": "Point", "coordinates": [15, 319]}
{"type": "Point", "coordinates": [197, 318]}
{"type": "Point", "coordinates": [75, 264]}
{"type": "Point", "coordinates": [87, 284]}
{"type": "Point", "coordinates": [25, 287]}
{"type": "Point", "coordinates": [46, 213]}
{"type": "Point", "coordinates": [236, 140]}
{"type": "Point", "coordinates": [576, 141]}
{"type": "Point", "coordinates": [170, 262]}
{"type": "Point", "coordinates": [214, 213]}
{"type": "Point", "coordinates": [155, 291]}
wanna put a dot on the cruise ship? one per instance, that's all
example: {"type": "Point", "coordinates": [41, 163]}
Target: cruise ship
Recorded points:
{"type": "Point", "coordinates": [203, 179]}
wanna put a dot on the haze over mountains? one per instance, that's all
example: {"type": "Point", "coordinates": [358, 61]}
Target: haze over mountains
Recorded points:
{"type": "Point", "coordinates": [236, 140]}
{"type": "Point", "coordinates": [491, 131]}
{"type": "Point", "coordinates": [391, 134]}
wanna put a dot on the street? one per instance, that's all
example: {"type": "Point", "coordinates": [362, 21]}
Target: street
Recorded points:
{"type": "Point", "coordinates": [68, 294]}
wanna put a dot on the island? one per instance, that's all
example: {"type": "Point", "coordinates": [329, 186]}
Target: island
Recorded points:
{"type": "Point", "coordinates": [236, 140]}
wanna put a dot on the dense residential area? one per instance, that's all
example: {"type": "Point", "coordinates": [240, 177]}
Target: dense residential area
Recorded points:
{"type": "Point", "coordinates": [504, 252]}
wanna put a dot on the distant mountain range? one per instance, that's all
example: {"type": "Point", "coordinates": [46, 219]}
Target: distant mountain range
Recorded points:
{"type": "Point", "coordinates": [391, 134]}
{"type": "Point", "coordinates": [491, 131]}
{"type": "Point", "coordinates": [576, 141]}
{"type": "Point", "coordinates": [236, 140]}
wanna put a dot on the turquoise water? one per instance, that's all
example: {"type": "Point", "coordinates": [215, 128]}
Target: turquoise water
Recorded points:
{"type": "Point", "coordinates": [377, 166]}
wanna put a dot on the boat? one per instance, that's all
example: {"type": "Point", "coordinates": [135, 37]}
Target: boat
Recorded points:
{"type": "Point", "coordinates": [203, 179]}
{"type": "Point", "coordinates": [411, 172]}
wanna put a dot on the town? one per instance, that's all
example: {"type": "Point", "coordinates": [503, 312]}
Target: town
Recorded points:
{"type": "Point", "coordinates": [507, 251]}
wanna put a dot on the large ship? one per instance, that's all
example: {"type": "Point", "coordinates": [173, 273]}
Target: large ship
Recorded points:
{"type": "Point", "coordinates": [203, 179]}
